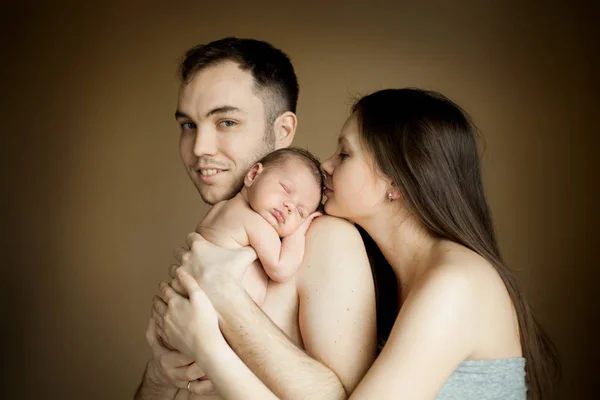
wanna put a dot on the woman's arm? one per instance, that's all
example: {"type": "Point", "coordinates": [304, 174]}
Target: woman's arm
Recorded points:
{"type": "Point", "coordinates": [435, 331]}
{"type": "Point", "coordinates": [336, 314]}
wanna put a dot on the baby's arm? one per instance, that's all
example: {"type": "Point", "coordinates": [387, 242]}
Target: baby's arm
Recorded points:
{"type": "Point", "coordinates": [279, 258]}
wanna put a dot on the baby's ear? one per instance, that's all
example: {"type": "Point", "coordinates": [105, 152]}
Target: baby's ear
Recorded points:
{"type": "Point", "coordinates": [253, 174]}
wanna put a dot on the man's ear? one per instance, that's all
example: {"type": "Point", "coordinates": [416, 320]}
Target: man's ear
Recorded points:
{"type": "Point", "coordinates": [284, 129]}
{"type": "Point", "coordinates": [253, 174]}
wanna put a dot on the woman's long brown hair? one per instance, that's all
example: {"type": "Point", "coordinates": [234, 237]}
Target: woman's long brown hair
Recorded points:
{"type": "Point", "coordinates": [427, 145]}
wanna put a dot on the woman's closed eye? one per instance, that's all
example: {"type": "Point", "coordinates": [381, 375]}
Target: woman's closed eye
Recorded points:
{"type": "Point", "coordinates": [343, 156]}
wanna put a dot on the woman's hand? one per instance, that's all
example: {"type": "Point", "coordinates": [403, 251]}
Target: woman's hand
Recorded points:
{"type": "Point", "coordinates": [205, 261]}
{"type": "Point", "coordinates": [190, 324]}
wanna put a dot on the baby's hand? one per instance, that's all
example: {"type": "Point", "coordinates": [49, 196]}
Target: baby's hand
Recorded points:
{"type": "Point", "coordinates": [306, 224]}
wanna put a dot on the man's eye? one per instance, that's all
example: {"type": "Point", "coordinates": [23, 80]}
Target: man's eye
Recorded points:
{"type": "Point", "coordinates": [188, 125]}
{"type": "Point", "coordinates": [227, 123]}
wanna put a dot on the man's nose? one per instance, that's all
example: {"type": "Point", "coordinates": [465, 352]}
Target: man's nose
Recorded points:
{"type": "Point", "coordinates": [206, 143]}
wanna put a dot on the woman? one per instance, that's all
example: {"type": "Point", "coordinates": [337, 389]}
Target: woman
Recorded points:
{"type": "Point", "coordinates": [407, 171]}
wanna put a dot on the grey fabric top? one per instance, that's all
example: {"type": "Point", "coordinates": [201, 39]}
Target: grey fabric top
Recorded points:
{"type": "Point", "coordinates": [502, 379]}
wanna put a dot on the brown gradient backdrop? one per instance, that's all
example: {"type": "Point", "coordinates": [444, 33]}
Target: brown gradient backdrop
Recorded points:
{"type": "Point", "coordinates": [96, 196]}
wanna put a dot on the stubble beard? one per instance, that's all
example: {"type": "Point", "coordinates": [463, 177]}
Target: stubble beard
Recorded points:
{"type": "Point", "coordinates": [267, 145]}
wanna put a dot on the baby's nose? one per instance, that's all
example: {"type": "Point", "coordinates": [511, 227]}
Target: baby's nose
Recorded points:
{"type": "Point", "coordinates": [288, 206]}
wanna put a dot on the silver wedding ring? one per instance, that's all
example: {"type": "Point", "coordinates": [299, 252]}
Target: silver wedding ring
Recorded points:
{"type": "Point", "coordinates": [188, 387]}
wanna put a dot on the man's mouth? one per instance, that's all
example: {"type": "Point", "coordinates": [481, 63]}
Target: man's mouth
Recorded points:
{"type": "Point", "coordinates": [209, 172]}
{"type": "Point", "coordinates": [327, 190]}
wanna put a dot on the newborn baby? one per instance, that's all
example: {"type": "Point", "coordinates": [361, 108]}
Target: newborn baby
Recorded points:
{"type": "Point", "coordinates": [271, 213]}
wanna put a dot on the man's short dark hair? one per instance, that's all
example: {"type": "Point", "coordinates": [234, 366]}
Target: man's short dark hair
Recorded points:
{"type": "Point", "coordinates": [271, 68]}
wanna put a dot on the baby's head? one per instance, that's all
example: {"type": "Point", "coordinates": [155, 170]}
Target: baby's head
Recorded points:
{"type": "Point", "coordinates": [285, 187]}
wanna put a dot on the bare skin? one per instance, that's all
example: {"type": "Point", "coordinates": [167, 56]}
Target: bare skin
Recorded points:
{"type": "Point", "coordinates": [315, 335]}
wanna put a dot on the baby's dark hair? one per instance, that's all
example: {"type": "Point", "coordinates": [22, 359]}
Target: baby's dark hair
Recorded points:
{"type": "Point", "coordinates": [278, 157]}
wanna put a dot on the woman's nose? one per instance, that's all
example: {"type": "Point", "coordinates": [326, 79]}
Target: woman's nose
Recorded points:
{"type": "Point", "coordinates": [327, 166]}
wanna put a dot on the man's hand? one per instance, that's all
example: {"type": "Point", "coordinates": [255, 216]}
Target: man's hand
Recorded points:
{"type": "Point", "coordinates": [205, 261]}
{"type": "Point", "coordinates": [190, 324]}
{"type": "Point", "coordinates": [170, 368]}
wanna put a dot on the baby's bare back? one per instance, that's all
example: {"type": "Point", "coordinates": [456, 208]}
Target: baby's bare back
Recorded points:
{"type": "Point", "coordinates": [225, 223]}
{"type": "Point", "coordinates": [225, 226]}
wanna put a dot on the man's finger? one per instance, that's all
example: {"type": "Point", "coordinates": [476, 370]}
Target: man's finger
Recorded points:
{"type": "Point", "coordinates": [202, 387]}
{"type": "Point", "coordinates": [152, 338]}
{"type": "Point", "coordinates": [162, 337]}
{"type": "Point", "coordinates": [178, 253]}
{"type": "Point", "coordinates": [177, 287]}
{"type": "Point", "coordinates": [192, 238]}
{"type": "Point", "coordinates": [188, 283]}
{"type": "Point", "coordinates": [181, 376]}
{"type": "Point", "coordinates": [194, 370]}
{"type": "Point", "coordinates": [176, 359]}
{"type": "Point", "coordinates": [158, 320]}
{"type": "Point", "coordinates": [159, 306]}
{"type": "Point", "coordinates": [189, 373]}
{"type": "Point", "coordinates": [164, 344]}
{"type": "Point", "coordinates": [173, 271]}
{"type": "Point", "coordinates": [167, 294]}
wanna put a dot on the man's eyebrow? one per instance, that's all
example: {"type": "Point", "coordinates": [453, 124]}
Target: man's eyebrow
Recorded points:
{"type": "Point", "coordinates": [224, 110]}
{"type": "Point", "coordinates": [214, 111]}
{"type": "Point", "coordinates": [181, 114]}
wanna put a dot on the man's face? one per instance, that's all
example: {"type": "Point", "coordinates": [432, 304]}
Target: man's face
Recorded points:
{"type": "Point", "coordinates": [223, 129]}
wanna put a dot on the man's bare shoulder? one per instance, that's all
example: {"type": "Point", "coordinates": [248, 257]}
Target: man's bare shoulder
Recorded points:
{"type": "Point", "coordinates": [333, 245]}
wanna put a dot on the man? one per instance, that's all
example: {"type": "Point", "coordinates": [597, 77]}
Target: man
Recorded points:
{"type": "Point", "coordinates": [314, 336]}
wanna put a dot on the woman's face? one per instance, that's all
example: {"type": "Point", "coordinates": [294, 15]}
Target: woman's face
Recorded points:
{"type": "Point", "coordinates": [354, 188]}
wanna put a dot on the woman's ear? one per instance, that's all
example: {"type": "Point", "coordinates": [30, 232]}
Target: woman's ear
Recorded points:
{"type": "Point", "coordinates": [393, 193]}
{"type": "Point", "coordinates": [284, 129]}
{"type": "Point", "coordinates": [253, 174]}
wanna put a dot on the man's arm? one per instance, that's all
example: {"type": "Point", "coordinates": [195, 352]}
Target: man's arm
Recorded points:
{"type": "Point", "coordinates": [150, 390]}
{"type": "Point", "coordinates": [337, 319]}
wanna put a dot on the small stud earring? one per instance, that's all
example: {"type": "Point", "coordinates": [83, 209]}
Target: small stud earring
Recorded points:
{"type": "Point", "coordinates": [390, 196]}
